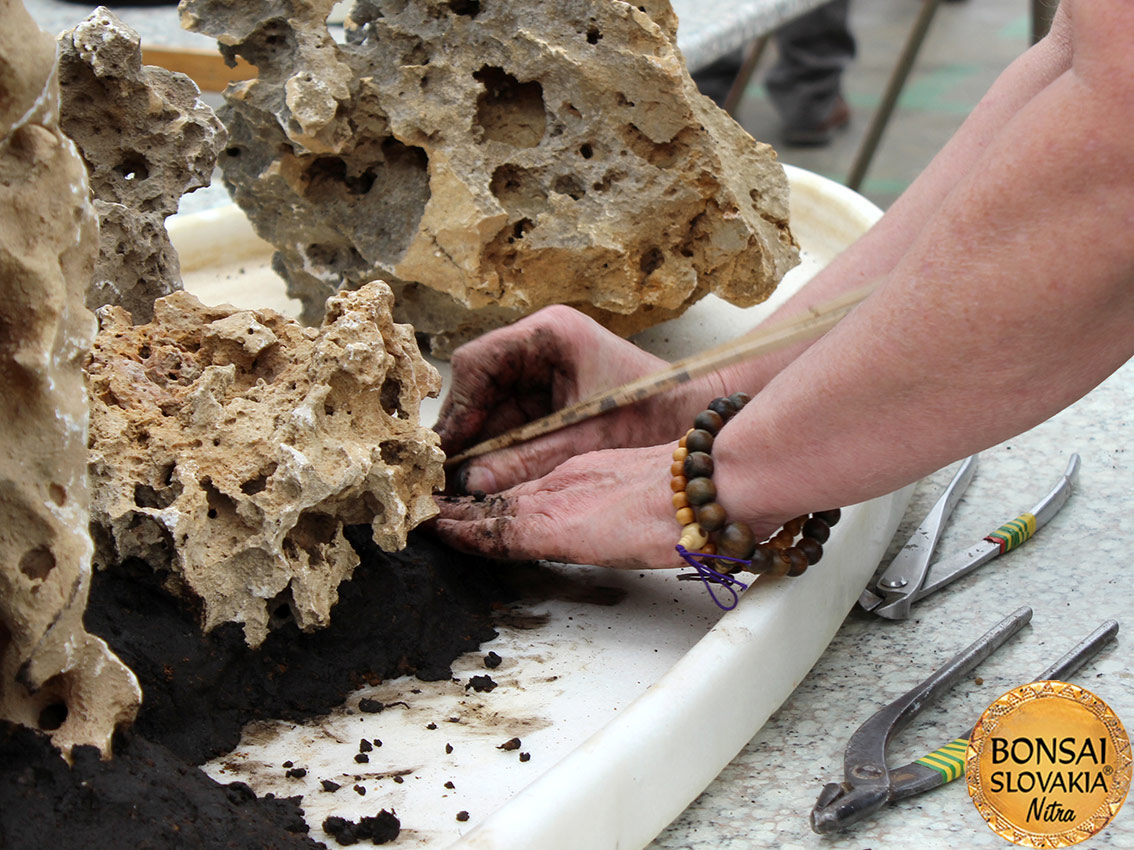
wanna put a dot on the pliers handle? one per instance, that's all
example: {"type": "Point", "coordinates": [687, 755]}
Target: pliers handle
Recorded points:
{"type": "Point", "coordinates": [869, 784]}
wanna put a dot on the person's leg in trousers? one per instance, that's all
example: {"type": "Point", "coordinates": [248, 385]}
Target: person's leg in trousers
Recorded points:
{"type": "Point", "coordinates": [805, 84]}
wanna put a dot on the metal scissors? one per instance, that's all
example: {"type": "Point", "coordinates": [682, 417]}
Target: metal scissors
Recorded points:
{"type": "Point", "coordinates": [869, 784]}
{"type": "Point", "coordinates": [911, 577]}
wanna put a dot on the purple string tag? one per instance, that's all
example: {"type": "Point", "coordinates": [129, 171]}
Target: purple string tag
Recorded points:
{"type": "Point", "coordinates": [709, 576]}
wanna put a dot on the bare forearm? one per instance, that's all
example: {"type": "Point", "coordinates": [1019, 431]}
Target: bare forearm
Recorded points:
{"type": "Point", "coordinates": [1008, 305]}
{"type": "Point", "coordinates": [876, 253]}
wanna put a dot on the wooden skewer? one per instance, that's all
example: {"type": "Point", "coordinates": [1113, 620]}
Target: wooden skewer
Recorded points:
{"type": "Point", "coordinates": [816, 322]}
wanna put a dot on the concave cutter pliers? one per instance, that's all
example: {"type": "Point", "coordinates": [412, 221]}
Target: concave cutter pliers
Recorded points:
{"type": "Point", "coordinates": [911, 577]}
{"type": "Point", "coordinates": [869, 784]}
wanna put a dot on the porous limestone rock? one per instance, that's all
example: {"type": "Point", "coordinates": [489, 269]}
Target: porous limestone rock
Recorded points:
{"type": "Point", "coordinates": [232, 446]}
{"type": "Point", "coordinates": [489, 157]}
{"type": "Point", "coordinates": [147, 138]}
{"type": "Point", "coordinates": [53, 675]}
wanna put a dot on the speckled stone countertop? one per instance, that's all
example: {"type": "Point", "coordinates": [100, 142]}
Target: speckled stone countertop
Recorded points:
{"type": "Point", "coordinates": [1075, 573]}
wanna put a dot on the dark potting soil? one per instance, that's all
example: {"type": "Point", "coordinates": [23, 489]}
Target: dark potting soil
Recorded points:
{"type": "Point", "coordinates": [410, 612]}
{"type": "Point", "coordinates": [145, 798]}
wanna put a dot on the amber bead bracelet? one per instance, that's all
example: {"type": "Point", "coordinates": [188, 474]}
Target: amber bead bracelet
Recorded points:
{"type": "Point", "coordinates": [711, 544]}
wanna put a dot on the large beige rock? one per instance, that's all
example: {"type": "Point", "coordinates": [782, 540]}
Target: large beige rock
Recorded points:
{"type": "Point", "coordinates": [232, 446]}
{"type": "Point", "coordinates": [53, 675]}
{"type": "Point", "coordinates": [147, 138]}
{"type": "Point", "coordinates": [489, 158]}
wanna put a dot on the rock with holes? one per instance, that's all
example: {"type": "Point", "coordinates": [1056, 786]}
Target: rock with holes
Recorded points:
{"type": "Point", "coordinates": [147, 138]}
{"type": "Point", "coordinates": [53, 675]}
{"type": "Point", "coordinates": [490, 157]}
{"type": "Point", "coordinates": [232, 446]}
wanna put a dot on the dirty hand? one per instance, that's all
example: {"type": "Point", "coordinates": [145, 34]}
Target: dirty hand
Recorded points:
{"type": "Point", "coordinates": [608, 508]}
{"type": "Point", "coordinates": [538, 365]}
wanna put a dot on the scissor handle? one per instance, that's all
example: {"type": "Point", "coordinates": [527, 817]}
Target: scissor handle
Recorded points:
{"type": "Point", "coordinates": [907, 571]}
{"type": "Point", "coordinates": [1013, 533]}
{"type": "Point", "coordinates": [1018, 531]}
{"type": "Point", "coordinates": [964, 563]}
{"type": "Point", "coordinates": [935, 520]}
{"type": "Point", "coordinates": [1050, 504]}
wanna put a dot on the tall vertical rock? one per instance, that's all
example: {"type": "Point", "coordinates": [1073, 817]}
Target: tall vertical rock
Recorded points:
{"type": "Point", "coordinates": [53, 675]}
{"type": "Point", "coordinates": [146, 138]}
{"type": "Point", "coordinates": [490, 157]}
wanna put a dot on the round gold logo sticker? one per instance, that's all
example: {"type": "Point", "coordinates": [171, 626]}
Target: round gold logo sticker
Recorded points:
{"type": "Point", "coordinates": [1048, 765]}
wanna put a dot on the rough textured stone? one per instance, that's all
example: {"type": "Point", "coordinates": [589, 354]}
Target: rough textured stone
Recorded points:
{"type": "Point", "coordinates": [232, 447]}
{"type": "Point", "coordinates": [53, 675]}
{"type": "Point", "coordinates": [491, 157]}
{"type": "Point", "coordinates": [147, 139]}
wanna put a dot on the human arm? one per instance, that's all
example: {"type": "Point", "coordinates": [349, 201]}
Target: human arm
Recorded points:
{"type": "Point", "coordinates": [1007, 302]}
{"type": "Point", "coordinates": [879, 250]}
{"type": "Point", "coordinates": [559, 356]}
{"type": "Point", "coordinates": [1014, 300]}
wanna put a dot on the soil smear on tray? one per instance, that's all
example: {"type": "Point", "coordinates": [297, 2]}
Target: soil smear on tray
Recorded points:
{"type": "Point", "coordinates": [406, 613]}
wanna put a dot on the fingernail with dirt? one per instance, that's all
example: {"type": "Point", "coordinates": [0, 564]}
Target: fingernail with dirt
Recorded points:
{"type": "Point", "coordinates": [478, 478]}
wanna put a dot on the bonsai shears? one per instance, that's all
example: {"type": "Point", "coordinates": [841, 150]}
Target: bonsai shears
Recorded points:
{"type": "Point", "coordinates": [910, 575]}
{"type": "Point", "coordinates": [868, 784]}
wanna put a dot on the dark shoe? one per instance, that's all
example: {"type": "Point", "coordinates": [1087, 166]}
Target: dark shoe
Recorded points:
{"type": "Point", "coordinates": [817, 135]}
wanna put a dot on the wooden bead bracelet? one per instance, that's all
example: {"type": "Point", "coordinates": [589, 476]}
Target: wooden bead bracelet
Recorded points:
{"type": "Point", "coordinates": [711, 544]}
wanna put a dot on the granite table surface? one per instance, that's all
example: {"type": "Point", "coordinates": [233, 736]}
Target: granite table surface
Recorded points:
{"type": "Point", "coordinates": [1075, 573]}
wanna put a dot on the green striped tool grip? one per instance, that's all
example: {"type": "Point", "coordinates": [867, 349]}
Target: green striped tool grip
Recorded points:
{"type": "Point", "coordinates": [1013, 533]}
{"type": "Point", "coordinates": [949, 761]}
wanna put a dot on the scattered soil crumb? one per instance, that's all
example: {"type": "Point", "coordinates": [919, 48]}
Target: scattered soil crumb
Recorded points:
{"type": "Point", "coordinates": [481, 684]}
{"type": "Point", "coordinates": [511, 744]}
{"type": "Point", "coordinates": [492, 661]}
{"type": "Point", "coordinates": [462, 816]}
{"type": "Point", "coordinates": [379, 829]}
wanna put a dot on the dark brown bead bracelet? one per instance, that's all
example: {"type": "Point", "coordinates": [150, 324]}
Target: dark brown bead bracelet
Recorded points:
{"type": "Point", "coordinates": [706, 531]}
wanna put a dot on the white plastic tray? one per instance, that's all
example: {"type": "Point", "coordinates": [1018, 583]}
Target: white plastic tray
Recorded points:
{"type": "Point", "coordinates": [628, 710]}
